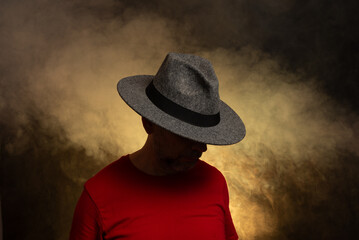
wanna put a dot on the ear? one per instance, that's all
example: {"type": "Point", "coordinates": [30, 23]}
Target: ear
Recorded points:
{"type": "Point", "coordinates": [147, 125]}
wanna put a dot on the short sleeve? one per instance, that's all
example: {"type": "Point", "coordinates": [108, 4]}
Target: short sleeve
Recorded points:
{"type": "Point", "coordinates": [86, 222]}
{"type": "Point", "coordinates": [231, 233]}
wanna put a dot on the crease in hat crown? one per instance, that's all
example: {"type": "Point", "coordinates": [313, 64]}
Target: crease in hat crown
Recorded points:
{"type": "Point", "coordinates": [189, 81]}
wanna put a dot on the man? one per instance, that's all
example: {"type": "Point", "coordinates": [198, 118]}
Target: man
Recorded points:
{"type": "Point", "coordinates": [163, 191]}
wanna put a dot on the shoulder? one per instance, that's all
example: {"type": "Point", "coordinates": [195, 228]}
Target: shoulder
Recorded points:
{"type": "Point", "coordinates": [107, 177]}
{"type": "Point", "coordinates": [207, 170]}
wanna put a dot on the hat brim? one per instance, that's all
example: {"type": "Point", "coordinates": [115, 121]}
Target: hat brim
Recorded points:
{"type": "Point", "coordinates": [228, 131]}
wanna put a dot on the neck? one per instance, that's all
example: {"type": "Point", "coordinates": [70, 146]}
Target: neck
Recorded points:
{"type": "Point", "coordinates": [146, 160]}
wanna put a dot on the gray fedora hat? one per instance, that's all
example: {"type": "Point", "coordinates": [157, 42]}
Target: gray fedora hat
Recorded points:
{"type": "Point", "coordinates": [183, 98]}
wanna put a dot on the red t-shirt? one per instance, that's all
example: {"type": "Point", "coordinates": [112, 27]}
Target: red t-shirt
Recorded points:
{"type": "Point", "coordinates": [121, 202]}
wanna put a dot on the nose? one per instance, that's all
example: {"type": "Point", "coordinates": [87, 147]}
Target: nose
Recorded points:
{"type": "Point", "coordinates": [199, 147]}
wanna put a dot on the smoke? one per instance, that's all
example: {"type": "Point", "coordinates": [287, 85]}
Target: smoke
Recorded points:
{"type": "Point", "coordinates": [284, 166]}
{"type": "Point", "coordinates": [294, 176]}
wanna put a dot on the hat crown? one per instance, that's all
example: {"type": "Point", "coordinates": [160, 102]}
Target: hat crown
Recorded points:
{"type": "Point", "coordinates": [189, 81]}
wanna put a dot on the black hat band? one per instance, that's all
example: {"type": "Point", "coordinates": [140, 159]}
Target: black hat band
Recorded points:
{"type": "Point", "coordinates": [179, 112]}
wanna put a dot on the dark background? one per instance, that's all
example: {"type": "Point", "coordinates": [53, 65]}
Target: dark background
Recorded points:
{"type": "Point", "coordinates": [316, 40]}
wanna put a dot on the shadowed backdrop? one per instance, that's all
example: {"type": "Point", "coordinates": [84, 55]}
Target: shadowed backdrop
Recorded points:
{"type": "Point", "coordinates": [289, 68]}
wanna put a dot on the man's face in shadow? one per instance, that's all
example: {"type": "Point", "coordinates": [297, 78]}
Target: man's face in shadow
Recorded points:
{"type": "Point", "coordinates": [176, 153]}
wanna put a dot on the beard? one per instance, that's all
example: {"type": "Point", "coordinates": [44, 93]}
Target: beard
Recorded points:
{"type": "Point", "coordinates": [180, 164]}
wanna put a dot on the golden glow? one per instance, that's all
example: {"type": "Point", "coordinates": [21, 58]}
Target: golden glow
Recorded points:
{"type": "Point", "coordinates": [289, 124]}
{"type": "Point", "coordinates": [292, 129]}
